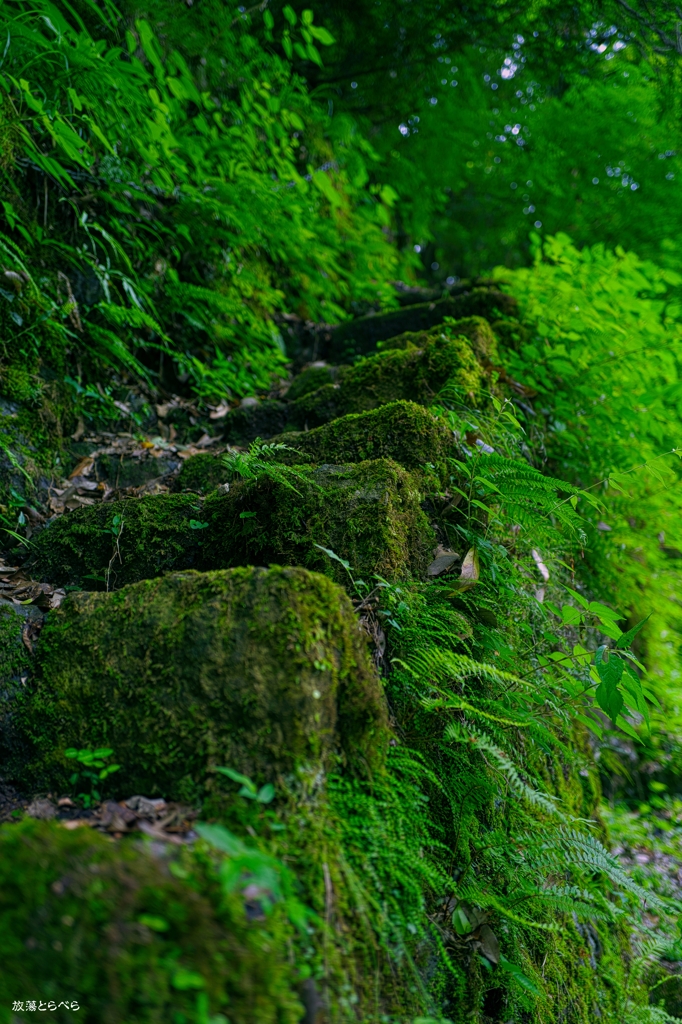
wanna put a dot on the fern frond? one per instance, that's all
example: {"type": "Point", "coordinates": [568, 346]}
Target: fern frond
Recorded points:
{"type": "Point", "coordinates": [259, 461]}
{"type": "Point", "coordinates": [456, 733]}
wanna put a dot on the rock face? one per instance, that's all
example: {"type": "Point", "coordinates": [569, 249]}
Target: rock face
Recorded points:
{"type": "Point", "coordinates": [263, 671]}
{"type": "Point", "coordinates": [114, 929]}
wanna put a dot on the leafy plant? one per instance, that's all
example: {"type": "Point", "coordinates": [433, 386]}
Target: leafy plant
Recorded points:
{"type": "Point", "coordinates": [249, 790]}
{"type": "Point", "coordinates": [261, 461]}
{"type": "Point", "coordinates": [94, 770]}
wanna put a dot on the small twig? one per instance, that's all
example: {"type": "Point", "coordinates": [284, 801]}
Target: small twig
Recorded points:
{"type": "Point", "coordinates": [117, 551]}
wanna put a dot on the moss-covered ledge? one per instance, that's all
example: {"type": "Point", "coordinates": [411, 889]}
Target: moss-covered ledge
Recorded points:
{"type": "Point", "coordinates": [410, 373]}
{"type": "Point", "coordinates": [262, 670]}
{"type": "Point", "coordinates": [115, 543]}
{"type": "Point", "coordinates": [368, 513]}
{"type": "Point", "coordinates": [403, 431]}
{"type": "Point", "coordinates": [133, 933]}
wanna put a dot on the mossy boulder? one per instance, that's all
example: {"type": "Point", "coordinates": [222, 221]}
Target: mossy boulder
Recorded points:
{"type": "Point", "coordinates": [368, 514]}
{"type": "Point", "coordinates": [112, 929]}
{"type": "Point", "coordinates": [16, 665]}
{"type": "Point", "coordinates": [361, 336]}
{"type": "Point", "coordinates": [202, 473]}
{"type": "Point", "coordinates": [475, 329]}
{"type": "Point", "coordinates": [312, 378]}
{"type": "Point", "coordinates": [15, 659]}
{"type": "Point", "coordinates": [260, 418]}
{"type": "Point", "coordinates": [262, 670]}
{"type": "Point", "coordinates": [119, 542]}
{"type": "Point", "coordinates": [413, 368]}
{"type": "Point", "coordinates": [411, 374]}
{"type": "Point", "coordinates": [403, 431]}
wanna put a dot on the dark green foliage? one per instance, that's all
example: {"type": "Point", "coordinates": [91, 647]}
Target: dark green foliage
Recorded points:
{"type": "Point", "coordinates": [264, 671]}
{"type": "Point", "coordinates": [108, 545]}
{"type": "Point", "coordinates": [128, 934]}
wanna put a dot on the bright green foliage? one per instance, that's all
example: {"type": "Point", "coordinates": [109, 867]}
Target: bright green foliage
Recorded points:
{"type": "Point", "coordinates": [261, 670]}
{"type": "Point", "coordinates": [604, 359]}
{"type": "Point", "coordinates": [192, 187]}
{"type": "Point", "coordinates": [89, 760]}
{"type": "Point", "coordinates": [129, 935]}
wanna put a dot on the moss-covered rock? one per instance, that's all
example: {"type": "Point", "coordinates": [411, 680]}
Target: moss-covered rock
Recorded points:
{"type": "Point", "coordinates": [368, 514]}
{"type": "Point", "coordinates": [119, 542]}
{"type": "Point", "coordinates": [201, 473]}
{"type": "Point", "coordinates": [411, 374]}
{"type": "Point", "coordinates": [402, 431]}
{"type": "Point", "coordinates": [312, 378]}
{"type": "Point", "coordinates": [15, 659]}
{"type": "Point", "coordinates": [361, 336]}
{"type": "Point", "coordinates": [129, 935]}
{"type": "Point", "coordinates": [475, 328]}
{"type": "Point", "coordinates": [265, 671]}
{"type": "Point", "coordinates": [258, 419]}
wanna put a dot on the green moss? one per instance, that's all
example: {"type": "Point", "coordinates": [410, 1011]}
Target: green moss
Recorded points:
{"type": "Point", "coordinates": [138, 538]}
{"type": "Point", "coordinates": [402, 431]}
{"type": "Point", "coordinates": [265, 671]}
{"type": "Point", "coordinates": [412, 374]}
{"type": "Point", "coordinates": [475, 329]}
{"type": "Point", "coordinates": [202, 473]}
{"type": "Point", "coordinates": [109, 926]}
{"type": "Point", "coordinates": [368, 514]}
{"type": "Point", "coordinates": [14, 657]}
{"type": "Point", "coordinates": [310, 379]}
{"type": "Point", "coordinates": [361, 336]}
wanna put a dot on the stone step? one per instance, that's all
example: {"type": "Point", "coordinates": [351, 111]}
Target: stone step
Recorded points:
{"type": "Point", "coordinates": [265, 671]}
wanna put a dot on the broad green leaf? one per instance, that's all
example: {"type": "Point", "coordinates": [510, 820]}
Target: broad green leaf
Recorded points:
{"type": "Point", "coordinates": [626, 639]}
